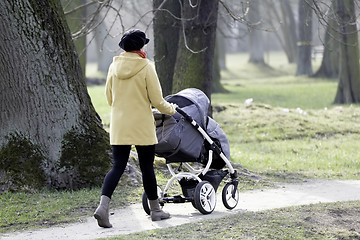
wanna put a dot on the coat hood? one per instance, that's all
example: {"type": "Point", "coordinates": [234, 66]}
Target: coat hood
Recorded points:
{"type": "Point", "coordinates": [128, 64]}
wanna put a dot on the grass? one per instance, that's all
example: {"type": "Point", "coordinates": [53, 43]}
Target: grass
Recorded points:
{"type": "Point", "coordinates": [291, 130]}
{"type": "Point", "coordinates": [317, 221]}
{"type": "Point", "coordinates": [43, 209]}
{"type": "Point", "coordinates": [318, 144]}
{"type": "Point", "coordinates": [275, 85]}
{"type": "Point", "coordinates": [291, 126]}
{"type": "Point", "coordinates": [98, 99]}
{"type": "Point", "coordinates": [293, 93]}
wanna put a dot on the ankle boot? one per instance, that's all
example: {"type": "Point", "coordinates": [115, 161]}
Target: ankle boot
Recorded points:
{"type": "Point", "coordinates": [155, 212]}
{"type": "Point", "coordinates": [102, 212]}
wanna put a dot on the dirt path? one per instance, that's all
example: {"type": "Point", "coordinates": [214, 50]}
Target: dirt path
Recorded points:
{"type": "Point", "coordinates": [134, 219]}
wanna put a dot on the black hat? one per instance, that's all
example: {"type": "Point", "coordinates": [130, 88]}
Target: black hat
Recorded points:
{"type": "Point", "coordinates": [133, 40]}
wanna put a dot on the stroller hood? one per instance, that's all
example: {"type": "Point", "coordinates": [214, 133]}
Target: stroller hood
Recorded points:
{"type": "Point", "coordinates": [215, 132]}
{"type": "Point", "coordinates": [178, 140]}
{"type": "Point", "coordinates": [194, 102]}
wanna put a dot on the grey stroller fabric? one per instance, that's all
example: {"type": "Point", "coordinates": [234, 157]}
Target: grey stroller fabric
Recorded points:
{"type": "Point", "coordinates": [179, 141]}
{"type": "Point", "coordinates": [215, 132]}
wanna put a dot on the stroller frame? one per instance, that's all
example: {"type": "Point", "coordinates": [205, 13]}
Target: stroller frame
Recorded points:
{"type": "Point", "coordinates": [203, 195]}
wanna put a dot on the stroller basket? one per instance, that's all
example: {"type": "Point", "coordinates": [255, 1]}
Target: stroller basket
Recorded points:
{"type": "Point", "coordinates": [214, 177]}
{"type": "Point", "coordinates": [188, 186]}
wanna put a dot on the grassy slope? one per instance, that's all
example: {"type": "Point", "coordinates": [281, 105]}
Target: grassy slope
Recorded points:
{"type": "Point", "coordinates": [290, 129]}
{"type": "Point", "coordinates": [291, 126]}
{"type": "Point", "coordinates": [270, 137]}
{"type": "Point", "coordinates": [318, 221]}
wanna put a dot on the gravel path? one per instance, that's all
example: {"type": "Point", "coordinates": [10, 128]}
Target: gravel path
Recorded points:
{"type": "Point", "coordinates": [134, 219]}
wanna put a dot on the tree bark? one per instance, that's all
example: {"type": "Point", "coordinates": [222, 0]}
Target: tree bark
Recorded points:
{"type": "Point", "coordinates": [166, 40]}
{"type": "Point", "coordinates": [44, 99]}
{"type": "Point", "coordinates": [217, 87]}
{"type": "Point", "coordinates": [305, 37]}
{"type": "Point", "coordinates": [287, 36]}
{"type": "Point", "coordinates": [256, 42]}
{"type": "Point", "coordinates": [330, 62]}
{"type": "Point", "coordinates": [221, 48]}
{"type": "Point", "coordinates": [194, 68]}
{"type": "Point", "coordinates": [289, 31]}
{"type": "Point", "coordinates": [349, 77]}
{"type": "Point", "coordinates": [104, 57]}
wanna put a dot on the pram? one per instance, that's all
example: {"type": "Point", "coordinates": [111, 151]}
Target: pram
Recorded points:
{"type": "Point", "coordinates": [199, 148]}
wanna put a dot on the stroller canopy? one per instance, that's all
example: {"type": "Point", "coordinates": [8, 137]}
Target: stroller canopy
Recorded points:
{"type": "Point", "coordinates": [192, 96]}
{"type": "Point", "coordinates": [178, 140]}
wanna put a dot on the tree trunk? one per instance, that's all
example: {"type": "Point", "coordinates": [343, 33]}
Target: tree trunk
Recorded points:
{"type": "Point", "coordinates": [287, 36]}
{"type": "Point", "coordinates": [256, 42]}
{"type": "Point", "coordinates": [194, 68]}
{"type": "Point", "coordinates": [349, 77]}
{"type": "Point", "coordinates": [75, 20]}
{"type": "Point", "coordinates": [166, 40]}
{"type": "Point", "coordinates": [44, 104]}
{"type": "Point", "coordinates": [217, 87]}
{"type": "Point", "coordinates": [305, 36]}
{"type": "Point", "coordinates": [104, 56]}
{"type": "Point", "coordinates": [330, 62]}
{"type": "Point", "coordinates": [289, 31]}
{"type": "Point", "coordinates": [221, 48]}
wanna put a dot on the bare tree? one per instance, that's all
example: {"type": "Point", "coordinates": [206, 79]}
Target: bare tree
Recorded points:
{"type": "Point", "coordinates": [349, 77]}
{"type": "Point", "coordinates": [305, 38]}
{"type": "Point", "coordinates": [289, 31]}
{"type": "Point", "coordinates": [196, 46]}
{"type": "Point", "coordinates": [75, 20]}
{"type": "Point", "coordinates": [282, 14]}
{"type": "Point", "coordinates": [256, 42]}
{"type": "Point", "coordinates": [219, 59]}
{"type": "Point", "coordinates": [330, 62]}
{"type": "Point", "coordinates": [167, 16]}
{"type": "Point", "coordinates": [46, 113]}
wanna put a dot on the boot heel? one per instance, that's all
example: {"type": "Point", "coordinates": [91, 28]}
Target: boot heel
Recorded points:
{"type": "Point", "coordinates": [156, 213]}
{"type": "Point", "coordinates": [156, 218]}
{"type": "Point", "coordinates": [97, 217]}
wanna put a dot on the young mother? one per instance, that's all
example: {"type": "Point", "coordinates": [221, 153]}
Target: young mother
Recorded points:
{"type": "Point", "coordinates": [132, 87]}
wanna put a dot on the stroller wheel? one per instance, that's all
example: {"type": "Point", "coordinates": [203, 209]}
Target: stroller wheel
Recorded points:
{"type": "Point", "coordinates": [205, 197]}
{"type": "Point", "coordinates": [193, 204]}
{"type": "Point", "coordinates": [229, 197]}
{"type": "Point", "coordinates": [145, 200]}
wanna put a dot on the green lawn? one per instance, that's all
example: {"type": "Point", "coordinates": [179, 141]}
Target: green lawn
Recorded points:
{"type": "Point", "coordinates": [291, 126]}
{"type": "Point", "coordinates": [291, 129]}
{"type": "Point", "coordinates": [312, 222]}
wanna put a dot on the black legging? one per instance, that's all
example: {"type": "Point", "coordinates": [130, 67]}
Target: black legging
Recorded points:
{"type": "Point", "coordinates": [146, 160]}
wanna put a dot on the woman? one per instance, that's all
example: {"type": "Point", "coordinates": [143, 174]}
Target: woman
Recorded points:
{"type": "Point", "coordinates": [132, 87]}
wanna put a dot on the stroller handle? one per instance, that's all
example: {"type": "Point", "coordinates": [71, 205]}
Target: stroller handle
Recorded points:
{"type": "Point", "coordinates": [184, 114]}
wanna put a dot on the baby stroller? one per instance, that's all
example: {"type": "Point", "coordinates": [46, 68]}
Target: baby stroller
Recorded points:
{"type": "Point", "coordinates": [196, 151]}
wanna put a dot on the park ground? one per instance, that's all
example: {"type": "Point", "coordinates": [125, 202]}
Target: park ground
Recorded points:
{"type": "Point", "coordinates": [282, 130]}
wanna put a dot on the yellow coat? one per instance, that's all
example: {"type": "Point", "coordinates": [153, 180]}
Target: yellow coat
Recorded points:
{"type": "Point", "coordinates": [132, 87]}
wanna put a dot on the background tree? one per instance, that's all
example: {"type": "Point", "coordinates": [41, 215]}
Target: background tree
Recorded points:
{"type": "Point", "coordinates": [219, 63]}
{"type": "Point", "coordinates": [75, 17]}
{"type": "Point", "coordinates": [305, 38]}
{"type": "Point", "coordinates": [195, 56]}
{"type": "Point", "coordinates": [220, 54]}
{"type": "Point", "coordinates": [349, 77]}
{"type": "Point", "coordinates": [256, 42]}
{"type": "Point", "coordinates": [281, 12]}
{"type": "Point", "coordinates": [289, 31]}
{"type": "Point", "coordinates": [330, 62]}
{"type": "Point", "coordinates": [47, 120]}
{"type": "Point", "coordinates": [166, 26]}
